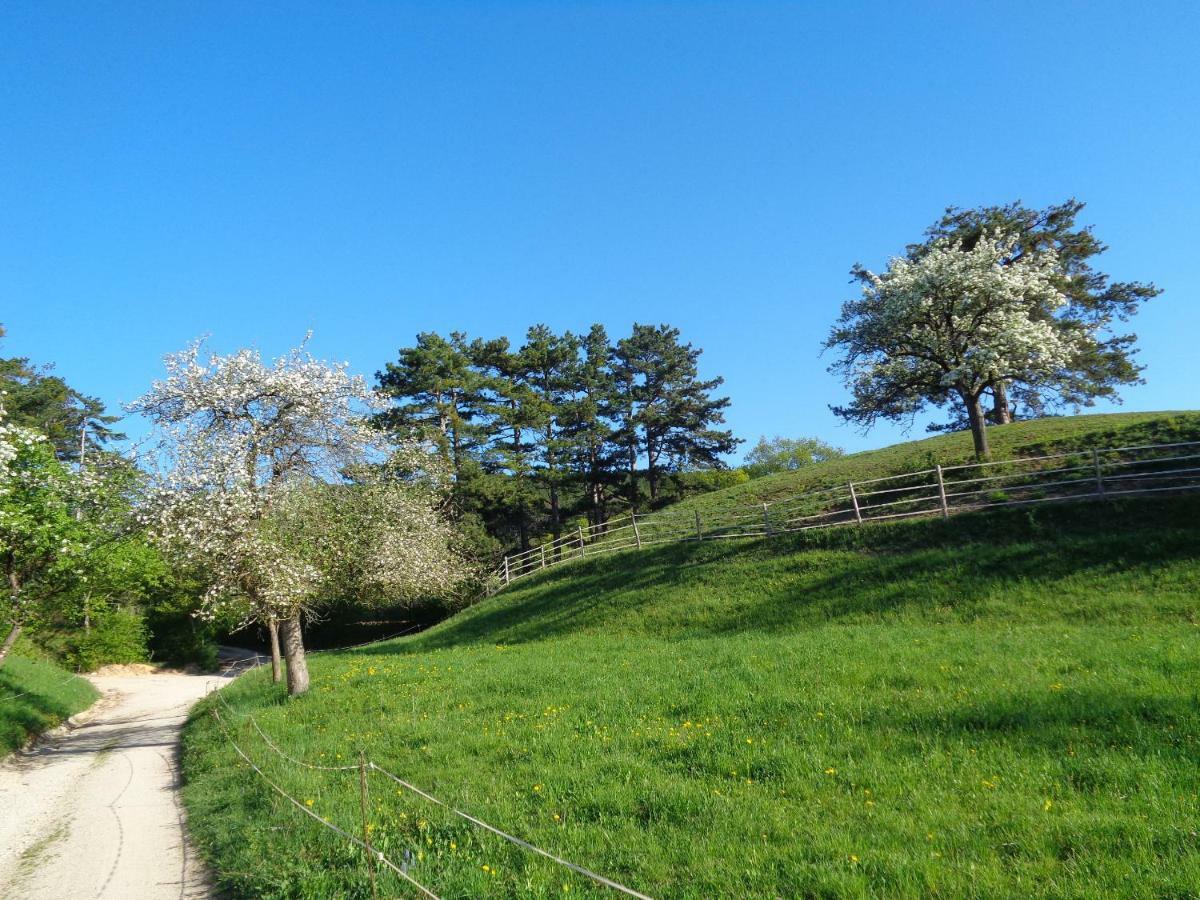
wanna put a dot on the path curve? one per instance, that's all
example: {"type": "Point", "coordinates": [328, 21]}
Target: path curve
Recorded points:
{"type": "Point", "coordinates": [93, 809]}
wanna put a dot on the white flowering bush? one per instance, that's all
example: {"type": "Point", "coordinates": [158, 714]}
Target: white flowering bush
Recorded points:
{"type": "Point", "coordinates": [267, 482]}
{"type": "Point", "coordinates": [951, 323]}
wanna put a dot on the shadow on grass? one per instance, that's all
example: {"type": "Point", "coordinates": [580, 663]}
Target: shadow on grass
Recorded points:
{"type": "Point", "coordinates": [1065, 723]}
{"type": "Point", "coordinates": [925, 567]}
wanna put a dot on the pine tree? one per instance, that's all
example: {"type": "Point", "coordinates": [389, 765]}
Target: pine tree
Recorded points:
{"type": "Point", "coordinates": [587, 431]}
{"type": "Point", "coordinates": [549, 364]}
{"type": "Point", "coordinates": [438, 394]}
{"type": "Point", "coordinates": [668, 412]}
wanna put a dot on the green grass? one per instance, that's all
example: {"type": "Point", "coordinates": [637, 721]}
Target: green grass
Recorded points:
{"type": "Point", "coordinates": [1004, 704]}
{"type": "Point", "coordinates": [1037, 437]}
{"type": "Point", "coordinates": [35, 695]}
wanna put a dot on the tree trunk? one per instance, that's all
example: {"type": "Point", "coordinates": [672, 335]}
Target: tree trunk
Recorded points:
{"type": "Point", "coordinates": [978, 426]}
{"type": "Point", "coordinates": [297, 663]}
{"type": "Point", "coordinates": [276, 669]}
{"type": "Point", "coordinates": [1001, 411]}
{"type": "Point", "coordinates": [13, 634]}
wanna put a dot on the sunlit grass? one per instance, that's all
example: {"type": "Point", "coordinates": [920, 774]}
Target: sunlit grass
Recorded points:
{"type": "Point", "coordinates": [35, 695]}
{"type": "Point", "coordinates": [1006, 704]}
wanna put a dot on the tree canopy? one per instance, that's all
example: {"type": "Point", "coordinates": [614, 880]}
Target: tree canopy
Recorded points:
{"type": "Point", "coordinates": [998, 301]}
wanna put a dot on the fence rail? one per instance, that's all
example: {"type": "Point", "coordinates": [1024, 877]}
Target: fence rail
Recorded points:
{"type": "Point", "coordinates": [940, 491]}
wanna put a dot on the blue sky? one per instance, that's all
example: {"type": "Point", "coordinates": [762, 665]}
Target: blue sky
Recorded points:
{"type": "Point", "coordinates": [369, 171]}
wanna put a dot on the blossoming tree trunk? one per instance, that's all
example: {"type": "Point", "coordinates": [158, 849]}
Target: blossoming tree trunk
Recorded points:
{"type": "Point", "coordinates": [293, 648]}
{"type": "Point", "coordinates": [978, 426]}
{"type": "Point", "coordinates": [276, 668]}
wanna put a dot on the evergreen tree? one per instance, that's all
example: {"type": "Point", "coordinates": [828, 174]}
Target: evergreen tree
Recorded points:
{"type": "Point", "coordinates": [587, 429]}
{"type": "Point", "coordinates": [34, 398]}
{"type": "Point", "coordinates": [668, 412]}
{"type": "Point", "coordinates": [437, 393]}
{"type": "Point", "coordinates": [549, 364]}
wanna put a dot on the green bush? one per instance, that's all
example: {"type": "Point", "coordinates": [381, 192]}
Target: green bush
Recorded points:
{"type": "Point", "coordinates": [120, 636]}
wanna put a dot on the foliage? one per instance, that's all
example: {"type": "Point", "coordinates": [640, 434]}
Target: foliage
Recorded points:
{"type": "Point", "coordinates": [1090, 294]}
{"type": "Point", "coordinates": [780, 454]}
{"type": "Point", "coordinates": [36, 694]}
{"type": "Point", "coordinates": [117, 636]}
{"type": "Point", "coordinates": [993, 706]}
{"type": "Point", "coordinates": [1000, 300]}
{"type": "Point", "coordinates": [558, 427]}
{"type": "Point", "coordinates": [41, 538]}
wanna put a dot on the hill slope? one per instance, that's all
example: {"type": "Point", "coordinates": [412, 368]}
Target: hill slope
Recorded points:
{"type": "Point", "coordinates": [36, 695]}
{"type": "Point", "coordinates": [1000, 704]}
{"type": "Point", "coordinates": [1036, 437]}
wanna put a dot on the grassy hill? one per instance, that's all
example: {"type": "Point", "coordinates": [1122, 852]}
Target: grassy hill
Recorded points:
{"type": "Point", "coordinates": [35, 695]}
{"type": "Point", "coordinates": [1003, 704]}
{"type": "Point", "coordinates": [1038, 437]}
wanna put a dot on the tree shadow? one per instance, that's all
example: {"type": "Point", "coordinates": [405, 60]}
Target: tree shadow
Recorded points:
{"type": "Point", "coordinates": [851, 575]}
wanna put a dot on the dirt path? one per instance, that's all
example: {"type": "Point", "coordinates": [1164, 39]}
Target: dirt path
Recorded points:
{"type": "Point", "coordinates": [94, 810]}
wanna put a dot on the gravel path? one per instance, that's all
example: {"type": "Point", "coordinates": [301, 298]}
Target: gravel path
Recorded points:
{"type": "Point", "coordinates": [93, 810]}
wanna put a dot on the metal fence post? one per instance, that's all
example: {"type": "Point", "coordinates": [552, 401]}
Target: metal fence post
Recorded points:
{"type": "Point", "coordinates": [942, 493]}
{"type": "Point", "coordinates": [699, 533]}
{"type": "Point", "coordinates": [506, 576]}
{"type": "Point", "coordinates": [767, 520]}
{"type": "Point", "coordinates": [637, 534]}
{"type": "Point", "coordinates": [543, 556]}
{"type": "Point", "coordinates": [854, 500]}
{"type": "Point", "coordinates": [1099, 476]}
{"type": "Point", "coordinates": [582, 545]}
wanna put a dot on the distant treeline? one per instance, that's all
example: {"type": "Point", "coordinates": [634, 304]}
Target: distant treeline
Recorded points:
{"type": "Point", "coordinates": [562, 428]}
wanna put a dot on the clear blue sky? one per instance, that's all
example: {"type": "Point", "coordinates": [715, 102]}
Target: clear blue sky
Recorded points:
{"type": "Point", "coordinates": [369, 171]}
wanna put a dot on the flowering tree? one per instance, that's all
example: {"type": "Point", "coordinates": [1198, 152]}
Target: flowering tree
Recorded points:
{"type": "Point", "coordinates": [40, 536]}
{"type": "Point", "coordinates": [951, 323]}
{"type": "Point", "coordinates": [266, 485]}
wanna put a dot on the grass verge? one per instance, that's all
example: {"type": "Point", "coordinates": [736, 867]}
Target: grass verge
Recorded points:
{"type": "Point", "coordinates": [36, 695]}
{"type": "Point", "coordinates": [1004, 704]}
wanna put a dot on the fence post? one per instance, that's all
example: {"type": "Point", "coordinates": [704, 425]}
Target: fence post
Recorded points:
{"type": "Point", "coordinates": [942, 493]}
{"type": "Point", "coordinates": [854, 500]}
{"type": "Point", "coordinates": [699, 533]}
{"type": "Point", "coordinates": [366, 828]}
{"type": "Point", "coordinates": [637, 534]}
{"type": "Point", "coordinates": [543, 556]}
{"type": "Point", "coordinates": [506, 576]}
{"type": "Point", "coordinates": [767, 520]}
{"type": "Point", "coordinates": [1099, 476]}
{"type": "Point", "coordinates": [582, 545]}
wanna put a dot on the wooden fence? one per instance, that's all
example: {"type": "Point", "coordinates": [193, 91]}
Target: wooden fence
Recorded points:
{"type": "Point", "coordinates": [940, 491]}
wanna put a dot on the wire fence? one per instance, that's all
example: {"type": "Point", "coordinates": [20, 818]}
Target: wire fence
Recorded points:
{"type": "Point", "coordinates": [939, 491]}
{"type": "Point", "coordinates": [365, 767]}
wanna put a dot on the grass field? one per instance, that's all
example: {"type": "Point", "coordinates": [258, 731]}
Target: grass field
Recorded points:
{"type": "Point", "coordinates": [1004, 704]}
{"type": "Point", "coordinates": [35, 695]}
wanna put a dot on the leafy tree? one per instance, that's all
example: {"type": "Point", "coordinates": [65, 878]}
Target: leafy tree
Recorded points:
{"type": "Point", "coordinates": [1093, 301]}
{"type": "Point", "coordinates": [953, 322]}
{"type": "Point", "coordinates": [780, 454]}
{"type": "Point", "coordinates": [667, 412]}
{"type": "Point", "coordinates": [251, 450]}
{"type": "Point", "coordinates": [39, 533]}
